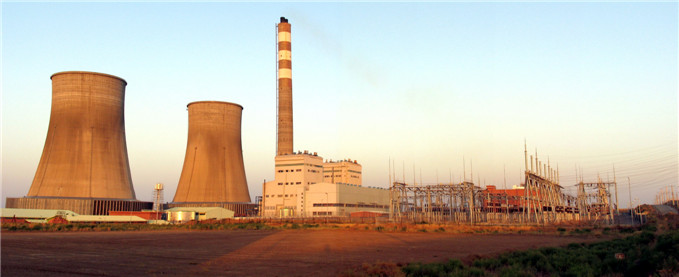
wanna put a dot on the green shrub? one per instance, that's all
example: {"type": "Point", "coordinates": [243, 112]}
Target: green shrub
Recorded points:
{"type": "Point", "coordinates": [514, 271]}
{"type": "Point", "coordinates": [626, 230]}
{"type": "Point", "coordinates": [487, 263]}
{"type": "Point", "coordinates": [649, 227]}
{"type": "Point", "coordinates": [645, 254]}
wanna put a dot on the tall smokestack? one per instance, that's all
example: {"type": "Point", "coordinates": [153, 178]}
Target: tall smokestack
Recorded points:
{"type": "Point", "coordinates": [284, 132]}
{"type": "Point", "coordinates": [85, 154]}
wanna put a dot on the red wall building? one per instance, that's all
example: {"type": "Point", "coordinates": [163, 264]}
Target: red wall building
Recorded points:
{"type": "Point", "coordinates": [148, 215]}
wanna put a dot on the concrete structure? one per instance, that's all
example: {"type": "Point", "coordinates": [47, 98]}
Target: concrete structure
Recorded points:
{"type": "Point", "coordinates": [105, 219]}
{"type": "Point", "coordinates": [84, 165]}
{"type": "Point", "coordinates": [343, 172]}
{"type": "Point", "coordinates": [213, 174]}
{"type": "Point", "coordinates": [326, 199]}
{"type": "Point", "coordinates": [63, 216]}
{"type": "Point", "coordinates": [34, 215]}
{"type": "Point", "coordinates": [502, 200]}
{"type": "Point", "coordinates": [299, 169]}
{"type": "Point", "coordinates": [145, 214]}
{"type": "Point", "coordinates": [185, 214]}
{"type": "Point", "coordinates": [284, 124]}
{"type": "Point", "coordinates": [78, 205]}
{"type": "Point", "coordinates": [304, 185]}
{"type": "Point", "coordinates": [299, 191]}
{"type": "Point", "coordinates": [85, 152]}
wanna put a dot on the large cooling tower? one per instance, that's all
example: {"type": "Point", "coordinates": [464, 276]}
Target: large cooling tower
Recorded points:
{"type": "Point", "coordinates": [85, 154]}
{"type": "Point", "coordinates": [284, 132]}
{"type": "Point", "coordinates": [213, 166]}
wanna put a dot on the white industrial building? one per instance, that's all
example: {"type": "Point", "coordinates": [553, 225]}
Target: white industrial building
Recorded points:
{"type": "Point", "coordinates": [305, 186]}
{"type": "Point", "coordinates": [186, 214]}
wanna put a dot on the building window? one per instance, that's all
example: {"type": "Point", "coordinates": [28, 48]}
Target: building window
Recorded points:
{"type": "Point", "coordinates": [280, 170]}
{"type": "Point", "coordinates": [298, 183]}
{"type": "Point", "coordinates": [280, 184]}
{"type": "Point", "coordinates": [298, 170]}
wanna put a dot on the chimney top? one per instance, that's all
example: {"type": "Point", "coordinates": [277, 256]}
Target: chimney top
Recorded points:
{"type": "Point", "coordinates": [284, 20]}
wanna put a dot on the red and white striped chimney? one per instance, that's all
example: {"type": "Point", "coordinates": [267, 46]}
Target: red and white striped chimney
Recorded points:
{"type": "Point", "coordinates": [284, 132]}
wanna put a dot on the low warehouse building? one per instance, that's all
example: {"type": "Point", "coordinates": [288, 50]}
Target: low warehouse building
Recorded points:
{"type": "Point", "coordinates": [146, 214]}
{"type": "Point", "coordinates": [185, 214]}
{"type": "Point", "coordinates": [368, 214]}
{"type": "Point", "coordinates": [32, 215]}
{"type": "Point", "coordinates": [105, 219]}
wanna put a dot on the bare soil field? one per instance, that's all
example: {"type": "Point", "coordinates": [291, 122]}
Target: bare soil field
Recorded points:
{"type": "Point", "coordinates": [243, 252]}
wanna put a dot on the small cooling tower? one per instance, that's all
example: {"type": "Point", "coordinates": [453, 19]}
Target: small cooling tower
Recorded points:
{"type": "Point", "coordinates": [213, 171]}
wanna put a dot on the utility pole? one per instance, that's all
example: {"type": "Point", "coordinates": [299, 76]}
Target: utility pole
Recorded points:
{"type": "Point", "coordinates": [504, 170]}
{"type": "Point", "coordinates": [617, 210]}
{"type": "Point", "coordinates": [629, 187]}
{"type": "Point", "coordinates": [464, 170]}
{"type": "Point", "coordinates": [672, 188]}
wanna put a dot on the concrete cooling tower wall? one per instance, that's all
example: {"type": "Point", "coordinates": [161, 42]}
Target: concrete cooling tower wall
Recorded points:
{"type": "Point", "coordinates": [84, 165]}
{"type": "Point", "coordinates": [213, 172]}
{"type": "Point", "coordinates": [85, 152]}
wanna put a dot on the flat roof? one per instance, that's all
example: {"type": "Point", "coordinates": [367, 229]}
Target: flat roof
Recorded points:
{"type": "Point", "coordinates": [194, 209]}
{"type": "Point", "coordinates": [105, 218]}
{"type": "Point", "coordinates": [33, 213]}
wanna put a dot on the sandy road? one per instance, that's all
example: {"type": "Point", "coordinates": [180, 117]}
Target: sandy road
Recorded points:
{"type": "Point", "coordinates": [241, 252]}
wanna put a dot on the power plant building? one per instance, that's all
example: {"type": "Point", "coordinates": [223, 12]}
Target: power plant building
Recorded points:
{"type": "Point", "coordinates": [213, 174]}
{"type": "Point", "coordinates": [342, 172]}
{"type": "Point", "coordinates": [302, 189]}
{"type": "Point", "coordinates": [84, 165]}
{"type": "Point", "coordinates": [304, 185]}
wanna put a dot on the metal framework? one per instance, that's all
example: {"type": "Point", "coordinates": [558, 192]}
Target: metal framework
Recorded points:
{"type": "Point", "coordinates": [541, 200]}
{"type": "Point", "coordinates": [435, 203]}
{"type": "Point", "coordinates": [594, 201]}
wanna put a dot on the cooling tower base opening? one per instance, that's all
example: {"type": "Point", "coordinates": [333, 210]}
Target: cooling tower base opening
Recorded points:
{"type": "Point", "coordinates": [239, 208]}
{"type": "Point", "coordinates": [83, 206]}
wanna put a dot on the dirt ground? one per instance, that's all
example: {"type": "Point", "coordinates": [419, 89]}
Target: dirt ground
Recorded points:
{"type": "Point", "coordinates": [242, 252]}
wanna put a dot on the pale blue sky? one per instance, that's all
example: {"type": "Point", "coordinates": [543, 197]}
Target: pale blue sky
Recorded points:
{"type": "Point", "coordinates": [591, 85]}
